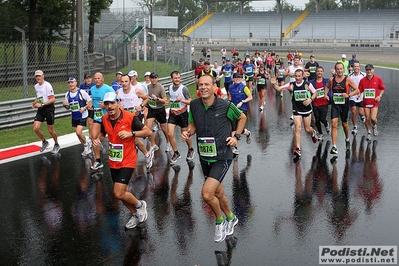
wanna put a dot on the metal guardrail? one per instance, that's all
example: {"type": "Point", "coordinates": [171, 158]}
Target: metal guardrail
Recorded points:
{"type": "Point", "coordinates": [18, 113]}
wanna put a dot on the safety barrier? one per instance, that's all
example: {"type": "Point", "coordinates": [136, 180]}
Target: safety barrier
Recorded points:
{"type": "Point", "coordinates": [18, 113]}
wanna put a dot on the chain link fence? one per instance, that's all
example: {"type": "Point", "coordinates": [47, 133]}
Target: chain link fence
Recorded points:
{"type": "Point", "coordinates": [61, 60]}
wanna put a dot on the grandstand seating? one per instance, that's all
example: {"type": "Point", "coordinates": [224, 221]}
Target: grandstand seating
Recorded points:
{"type": "Point", "coordinates": [236, 25]}
{"type": "Point", "coordinates": [348, 24]}
{"type": "Point", "coordinates": [335, 24]}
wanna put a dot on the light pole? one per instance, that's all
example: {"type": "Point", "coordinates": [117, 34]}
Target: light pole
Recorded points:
{"type": "Point", "coordinates": [281, 22]}
{"type": "Point", "coordinates": [129, 50]}
{"type": "Point", "coordinates": [24, 62]}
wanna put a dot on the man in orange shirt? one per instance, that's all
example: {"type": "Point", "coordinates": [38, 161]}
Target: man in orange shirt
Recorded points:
{"type": "Point", "coordinates": [122, 127]}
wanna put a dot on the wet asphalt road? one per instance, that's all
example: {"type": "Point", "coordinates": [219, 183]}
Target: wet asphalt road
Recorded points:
{"type": "Point", "coordinates": [55, 212]}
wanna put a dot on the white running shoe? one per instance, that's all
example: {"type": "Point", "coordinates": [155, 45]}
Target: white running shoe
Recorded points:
{"type": "Point", "coordinates": [220, 232]}
{"type": "Point", "coordinates": [142, 212]}
{"type": "Point", "coordinates": [230, 226]}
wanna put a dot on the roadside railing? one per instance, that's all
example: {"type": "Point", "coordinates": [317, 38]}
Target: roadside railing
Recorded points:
{"type": "Point", "coordinates": [18, 113]}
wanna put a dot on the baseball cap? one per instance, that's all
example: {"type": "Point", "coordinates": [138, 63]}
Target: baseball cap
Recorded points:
{"type": "Point", "coordinates": [148, 73]}
{"type": "Point", "coordinates": [369, 66]}
{"type": "Point", "coordinates": [154, 75]}
{"type": "Point", "coordinates": [119, 73]}
{"type": "Point", "coordinates": [132, 73]}
{"type": "Point", "coordinates": [237, 75]}
{"type": "Point", "coordinates": [38, 73]}
{"type": "Point", "coordinates": [343, 56]}
{"type": "Point", "coordinates": [207, 63]}
{"type": "Point", "coordinates": [354, 55]}
{"type": "Point", "coordinates": [312, 56]}
{"type": "Point", "coordinates": [201, 59]}
{"type": "Point", "coordinates": [110, 97]}
{"type": "Point", "coordinates": [71, 80]}
{"type": "Point", "coordinates": [228, 59]}
{"type": "Point", "coordinates": [87, 75]}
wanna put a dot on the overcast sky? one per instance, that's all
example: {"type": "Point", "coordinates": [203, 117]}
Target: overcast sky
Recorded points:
{"type": "Point", "coordinates": [256, 4]}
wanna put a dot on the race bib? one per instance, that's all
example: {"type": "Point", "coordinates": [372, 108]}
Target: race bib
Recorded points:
{"type": "Point", "coordinates": [175, 105]}
{"type": "Point", "coordinates": [262, 81]}
{"type": "Point", "coordinates": [300, 95]}
{"type": "Point", "coordinates": [320, 93]}
{"type": "Point", "coordinates": [227, 74]}
{"type": "Point", "coordinates": [207, 147]}
{"type": "Point", "coordinates": [40, 100]}
{"type": "Point", "coordinates": [115, 152]}
{"type": "Point", "coordinates": [369, 94]}
{"type": "Point", "coordinates": [152, 103]}
{"type": "Point", "coordinates": [280, 75]}
{"type": "Point", "coordinates": [248, 69]}
{"type": "Point", "coordinates": [131, 109]}
{"type": "Point", "coordinates": [98, 113]}
{"type": "Point", "coordinates": [338, 98]}
{"type": "Point", "coordinates": [74, 106]}
{"type": "Point", "coordinates": [312, 69]}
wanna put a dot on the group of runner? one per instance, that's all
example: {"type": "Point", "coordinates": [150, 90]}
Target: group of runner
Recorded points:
{"type": "Point", "coordinates": [119, 112]}
{"type": "Point", "coordinates": [347, 90]}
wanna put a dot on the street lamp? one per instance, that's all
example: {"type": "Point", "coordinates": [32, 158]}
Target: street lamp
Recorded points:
{"type": "Point", "coordinates": [24, 62]}
{"type": "Point", "coordinates": [129, 50]}
{"type": "Point", "coordinates": [281, 22]}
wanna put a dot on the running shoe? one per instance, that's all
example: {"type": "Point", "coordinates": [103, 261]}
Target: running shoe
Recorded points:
{"type": "Point", "coordinates": [375, 130]}
{"type": "Point", "coordinates": [133, 222]}
{"type": "Point", "coordinates": [168, 147]}
{"type": "Point", "coordinates": [230, 226]}
{"type": "Point", "coordinates": [44, 146]}
{"type": "Point", "coordinates": [154, 148]}
{"type": "Point", "coordinates": [292, 117]}
{"type": "Point", "coordinates": [261, 109]}
{"type": "Point", "coordinates": [328, 128]}
{"type": "Point", "coordinates": [97, 165]}
{"type": "Point", "coordinates": [190, 154]}
{"type": "Point", "coordinates": [354, 130]}
{"type": "Point", "coordinates": [334, 150]}
{"type": "Point", "coordinates": [297, 152]}
{"type": "Point", "coordinates": [314, 136]}
{"type": "Point", "coordinates": [142, 212]}
{"type": "Point", "coordinates": [363, 118]}
{"type": "Point", "coordinates": [368, 136]}
{"type": "Point", "coordinates": [55, 149]}
{"type": "Point", "coordinates": [347, 145]}
{"type": "Point", "coordinates": [321, 137]}
{"type": "Point", "coordinates": [86, 152]}
{"type": "Point", "coordinates": [148, 159]}
{"type": "Point", "coordinates": [235, 150]}
{"type": "Point", "coordinates": [249, 137]}
{"type": "Point", "coordinates": [176, 156]}
{"type": "Point", "coordinates": [220, 232]}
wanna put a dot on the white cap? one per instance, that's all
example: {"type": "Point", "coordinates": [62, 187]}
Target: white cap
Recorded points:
{"type": "Point", "coordinates": [343, 56]}
{"type": "Point", "coordinates": [110, 97]}
{"type": "Point", "coordinates": [38, 73]}
{"type": "Point", "coordinates": [148, 73]}
{"type": "Point", "coordinates": [132, 73]}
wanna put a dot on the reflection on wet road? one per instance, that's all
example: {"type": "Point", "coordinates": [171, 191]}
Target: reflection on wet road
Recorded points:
{"type": "Point", "coordinates": [55, 211]}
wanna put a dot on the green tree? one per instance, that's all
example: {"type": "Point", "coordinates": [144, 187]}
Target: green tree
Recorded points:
{"type": "Point", "coordinates": [286, 7]}
{"type": "Point", "coordinates": [230, 6]}
{"type": "Point", "coordinates": [95, 8]}
{"type": "Point", "coordinates": [323, 5]}
{"type": "Point", "coordinates": [185, 10]}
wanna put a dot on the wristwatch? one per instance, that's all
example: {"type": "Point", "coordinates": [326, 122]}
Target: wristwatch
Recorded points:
{"type": "Point", "coordinates": [133, 133]}
{"type": "Point", "coordinates": [238, 136]}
